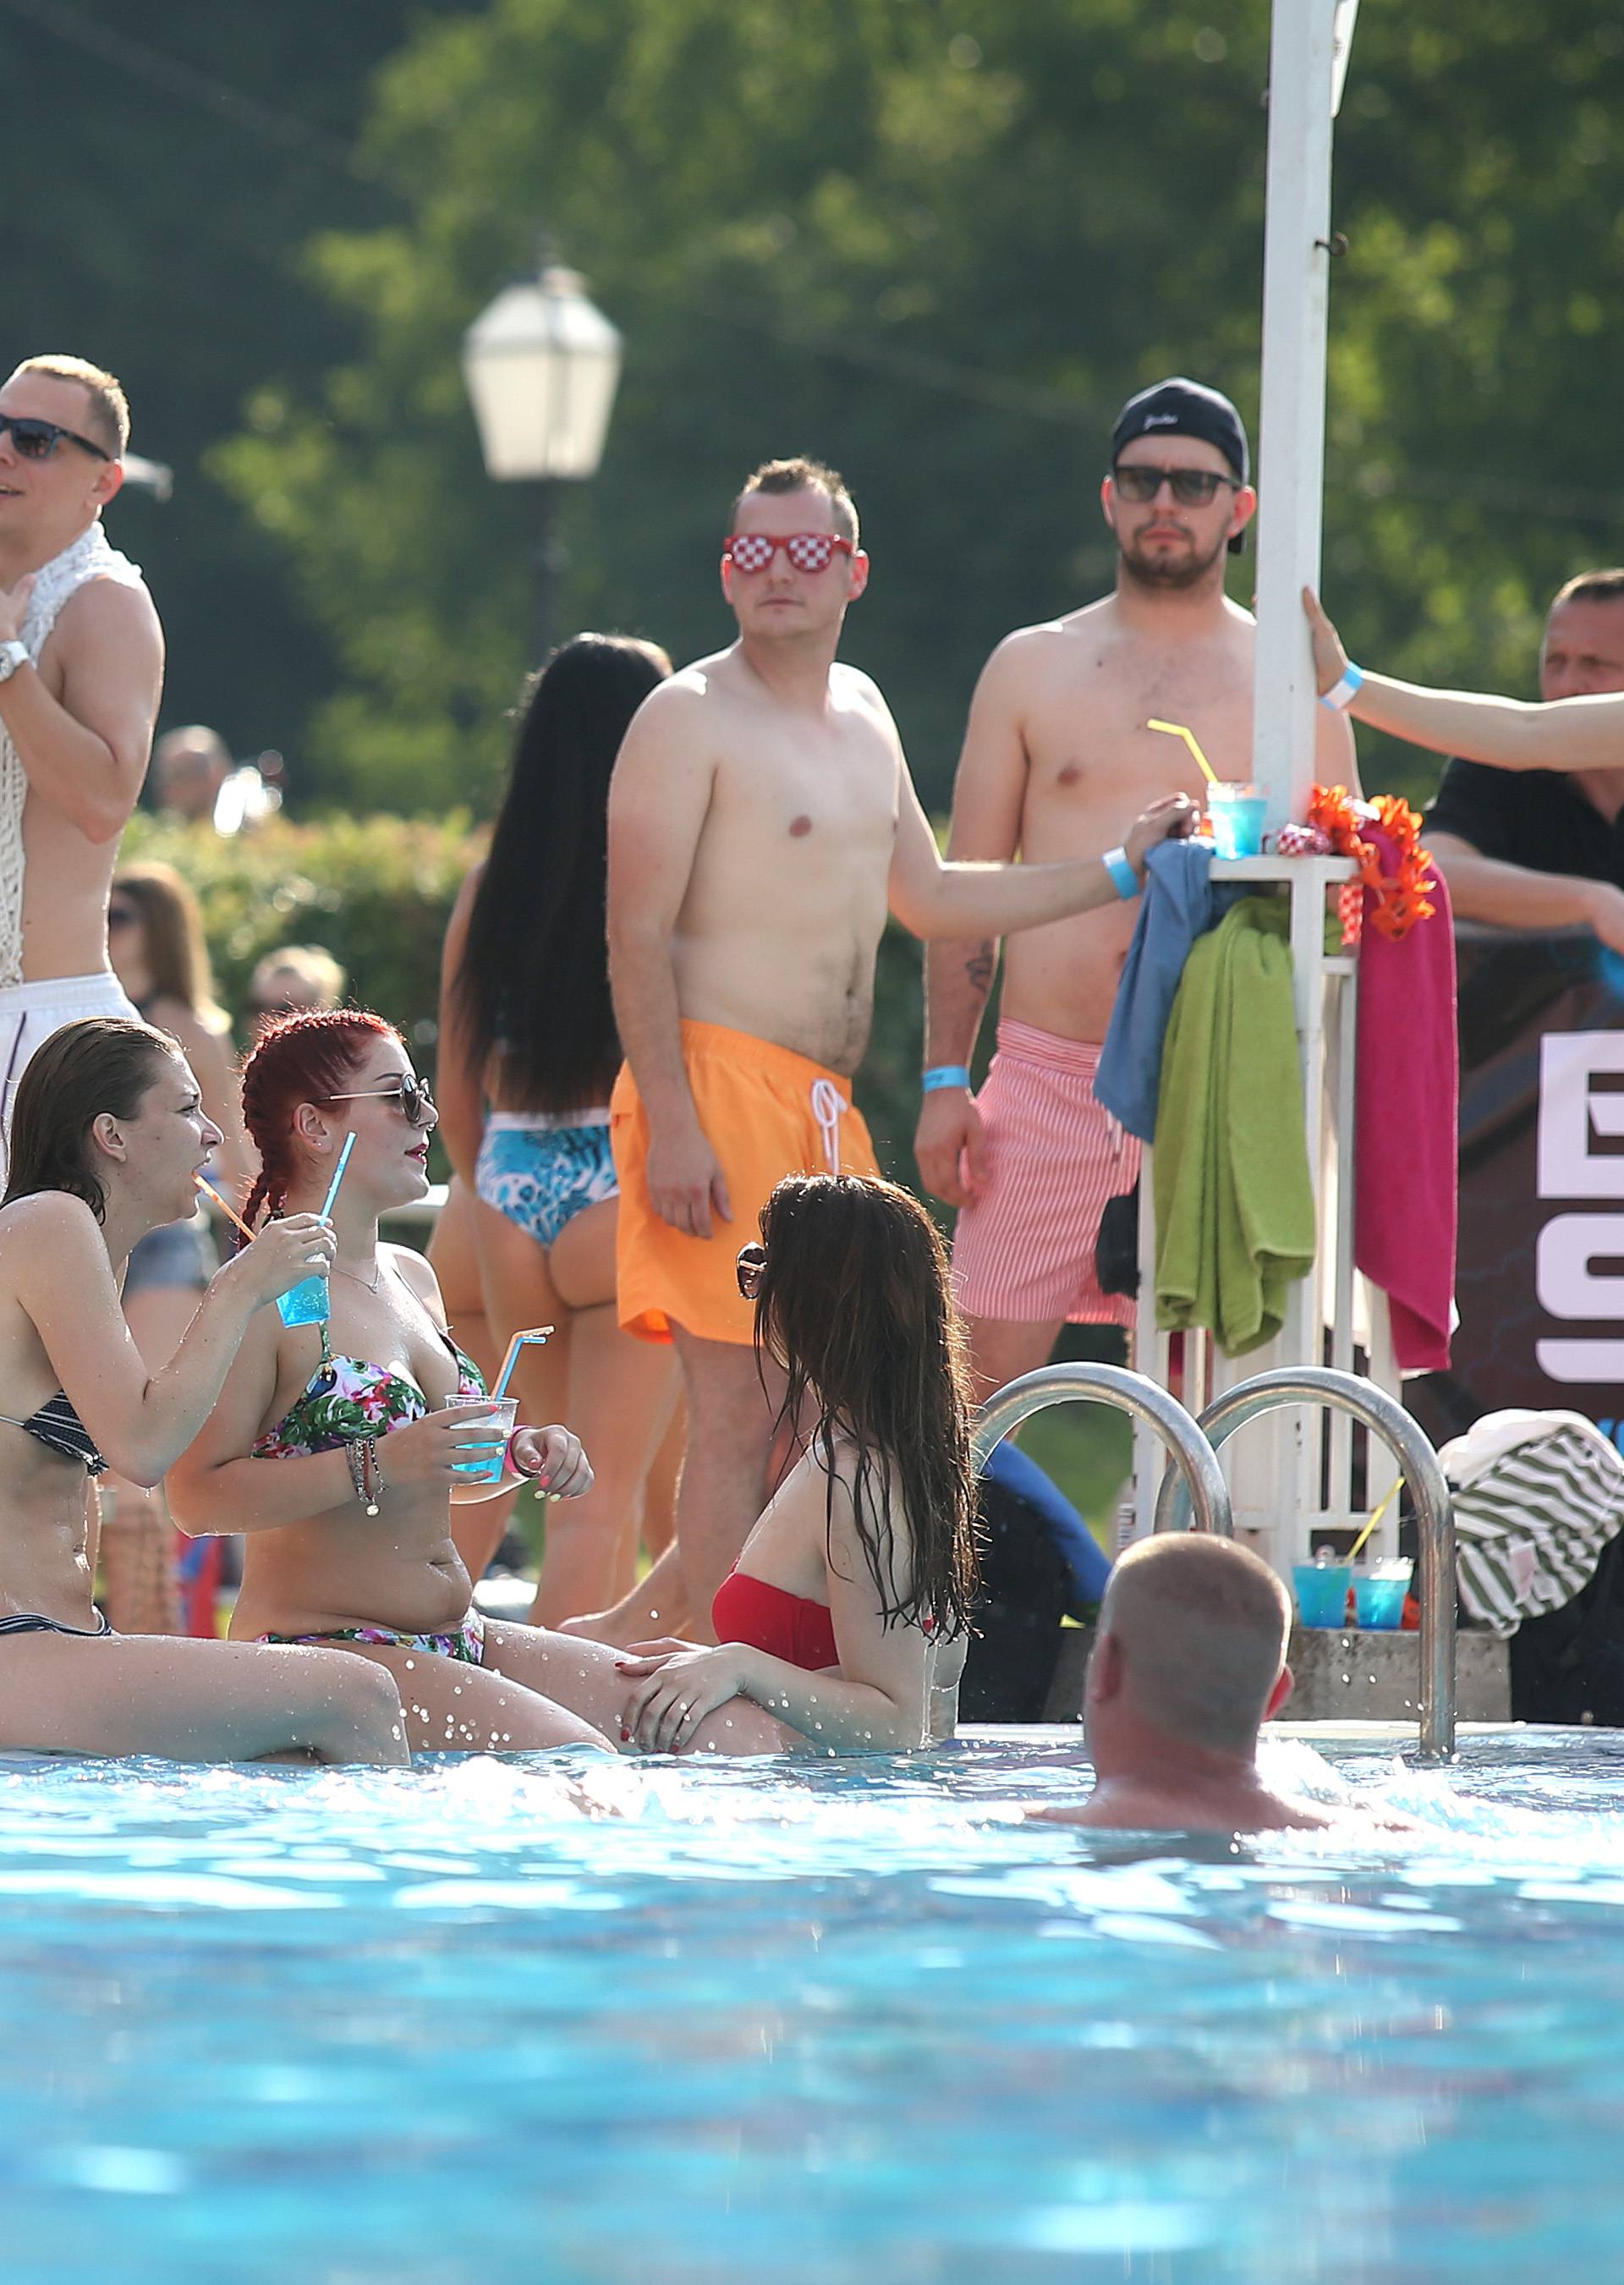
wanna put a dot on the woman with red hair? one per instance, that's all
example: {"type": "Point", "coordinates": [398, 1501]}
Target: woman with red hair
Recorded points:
{"type": "Point", "coordinates": [330, 1450]}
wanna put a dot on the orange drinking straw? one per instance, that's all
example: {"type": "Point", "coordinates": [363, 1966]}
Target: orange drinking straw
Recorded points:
{"type": "Point", "coordinates": [1179, 730]}
{"type": "Point", "coordinates": [227, 1210]}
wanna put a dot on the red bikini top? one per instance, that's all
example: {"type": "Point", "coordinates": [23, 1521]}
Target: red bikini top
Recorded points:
{"type": "Point", "coordinates": [791, 1627]}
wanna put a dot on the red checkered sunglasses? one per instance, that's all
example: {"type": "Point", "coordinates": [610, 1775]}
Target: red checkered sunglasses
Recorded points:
{"type": "Point", "coordinates": [808, 551]}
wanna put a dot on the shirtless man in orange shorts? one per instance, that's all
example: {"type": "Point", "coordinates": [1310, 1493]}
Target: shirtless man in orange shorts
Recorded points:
{"type": "Point", "coordinates": [761, 822]}
{"type": "Point", "coordinates": [1056, 758]}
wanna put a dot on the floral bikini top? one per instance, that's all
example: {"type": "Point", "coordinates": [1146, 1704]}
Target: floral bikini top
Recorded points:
{"type": "Point", "coordinates": [346, 1398]}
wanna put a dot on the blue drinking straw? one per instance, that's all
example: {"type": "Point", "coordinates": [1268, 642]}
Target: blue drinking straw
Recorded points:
{"type": "Point", "coordinates": [536, 1337]}
{"type": "Point", "coordinates": [338, 1173]}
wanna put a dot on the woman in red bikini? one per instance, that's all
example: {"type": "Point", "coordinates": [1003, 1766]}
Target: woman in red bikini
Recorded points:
{"type": "Point", "coordinates": [845, 1615]}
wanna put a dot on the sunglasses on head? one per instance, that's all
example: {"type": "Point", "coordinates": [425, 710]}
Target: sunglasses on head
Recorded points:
{"type": "Point", "coordinates": [409, 1092]}
{"type": "Point", "coordinates": [1191, 487]}
{"type": "Point", "coordinates": [752, 1269]}
{"type": "Point", "coordinates": [808, 551]}
{"type": "Point", "coordinates": [37, 440]}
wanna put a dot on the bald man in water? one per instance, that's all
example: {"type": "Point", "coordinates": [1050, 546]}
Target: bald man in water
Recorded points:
{"type": "Point", "coordinates": [1188, 1663]}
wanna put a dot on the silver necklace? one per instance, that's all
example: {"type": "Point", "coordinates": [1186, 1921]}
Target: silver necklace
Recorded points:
{"type": "Point", "coordinates": [374, 1284]}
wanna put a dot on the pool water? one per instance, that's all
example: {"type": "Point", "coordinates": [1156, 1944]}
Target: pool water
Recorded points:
{"type": "Point", "coordinates": [549, 2019]}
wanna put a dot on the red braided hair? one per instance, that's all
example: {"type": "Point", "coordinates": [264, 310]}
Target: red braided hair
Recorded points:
{"type": "Point", "coordinates": [307, 1057]}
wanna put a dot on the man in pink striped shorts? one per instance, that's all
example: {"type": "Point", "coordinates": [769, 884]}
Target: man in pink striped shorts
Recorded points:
{"type": "Point", "coordinates": [1057, 760]}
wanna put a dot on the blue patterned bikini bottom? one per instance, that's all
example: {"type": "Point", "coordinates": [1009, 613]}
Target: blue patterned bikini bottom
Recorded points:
{"type": "Point", "coordinates": [540, 1174]}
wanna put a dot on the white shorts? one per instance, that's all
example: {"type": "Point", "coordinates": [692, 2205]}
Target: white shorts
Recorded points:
{"type": "Point", "coordinates": [29, 1013]}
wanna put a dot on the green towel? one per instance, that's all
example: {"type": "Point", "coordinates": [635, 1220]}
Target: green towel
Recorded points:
{"type": "Point", "coordinates": [1234, 1219]}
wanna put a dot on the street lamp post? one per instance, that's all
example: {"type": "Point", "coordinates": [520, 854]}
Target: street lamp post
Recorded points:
{"type": "Point", "coordinates": [541, 365]}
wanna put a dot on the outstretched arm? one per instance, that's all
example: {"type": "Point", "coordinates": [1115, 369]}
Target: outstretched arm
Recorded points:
{"type": "Point", "coordinates": [1508, 734]}
{"type": "Point", "coordinates": [86, 753]}
{"type": "Point", "coordinates": [933, 899]}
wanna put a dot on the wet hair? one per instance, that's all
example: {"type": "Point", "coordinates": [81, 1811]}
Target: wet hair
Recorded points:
{"type": "Point", "coordinates": [854, 1303]}
{"type": "Point", "coordinates": [534, 978]}
{"type": "Point", "coordinates": [1591, 587]}
{"type": "Point", "coordinates": [172, 941]}
{"type": "Point", "coordinates": [802, 475]}
{"type": "Point", "coordinates": [100, 1064]}
{"type": "Point", "coordinates": [109, 420]}
{"type": "Point", "coordinates": [307, 1058]}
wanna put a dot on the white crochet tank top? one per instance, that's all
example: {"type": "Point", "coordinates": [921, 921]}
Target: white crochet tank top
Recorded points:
{"type": "Point", "coordinates": [89, 557]}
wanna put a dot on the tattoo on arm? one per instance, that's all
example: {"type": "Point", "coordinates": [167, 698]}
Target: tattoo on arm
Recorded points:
{"type": "Point", "coordinates": [979, 969]}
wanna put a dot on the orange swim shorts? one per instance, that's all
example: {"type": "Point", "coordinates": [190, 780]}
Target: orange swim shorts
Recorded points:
{"type": "Point", "coordinates": [768, 1113]}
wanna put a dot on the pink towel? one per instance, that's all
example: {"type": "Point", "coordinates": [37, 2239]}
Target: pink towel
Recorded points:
{"type": "Point", "coordinates": [1406, 1147]}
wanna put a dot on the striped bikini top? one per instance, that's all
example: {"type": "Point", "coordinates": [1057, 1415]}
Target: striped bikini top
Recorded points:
{"type": "Point", "coordinates": [59, 1427]}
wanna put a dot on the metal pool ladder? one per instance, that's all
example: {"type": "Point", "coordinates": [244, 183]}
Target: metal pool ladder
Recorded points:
{"type": "Point", "coordinates": [1418, 1463]}
{"type": "Point", "coordinates": [1195, 1486]}
{"type": "Point", "coordinates": [1193, 1458]}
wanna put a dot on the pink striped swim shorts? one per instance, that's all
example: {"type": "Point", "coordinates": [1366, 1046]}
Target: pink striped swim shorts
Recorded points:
{"type": "Point", "coordinates": [1023, 1250]}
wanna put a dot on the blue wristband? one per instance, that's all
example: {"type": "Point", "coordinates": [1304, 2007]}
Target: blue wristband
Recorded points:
{"type": "Point", "coordinates": [1122, 874]}
{"type": "Point", "coordinates": [931, 1082]}
{"type": "Point", "coordinates": [1341, 694]}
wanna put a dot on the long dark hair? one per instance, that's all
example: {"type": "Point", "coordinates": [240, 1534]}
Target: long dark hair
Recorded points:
{"type": "Point", "coordinates": [101, 1062]}
{"type": "Point", "coordinates": [173, 944]}
{"type": "Point", "coordinates": [854, 1304]}
{"type": "Point", "coordinates": [534, 979]}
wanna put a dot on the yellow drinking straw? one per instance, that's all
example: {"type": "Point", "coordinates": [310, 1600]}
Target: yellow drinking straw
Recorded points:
{"type": "Point", "coordinates": [1374, 1519]}
{"type": "Point", "coordinates": [1179, 730]}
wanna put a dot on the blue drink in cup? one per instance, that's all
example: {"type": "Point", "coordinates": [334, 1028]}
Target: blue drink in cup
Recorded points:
{"type": "Point", "coordinates": [487, 1444]}
{"type": "Point", "coordinates": [1237, 813]}
{"type": "Point", "coordinates": [1321, 1592]}
{"type": "Point", "coordinates": [1378, 1595]}
{"type": "Point", "coordinates": [307, 1303]}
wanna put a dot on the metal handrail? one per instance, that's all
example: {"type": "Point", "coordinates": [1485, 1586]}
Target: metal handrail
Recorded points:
{"type": "Point", "coordinates": [1420, 1467]}
{"type": "Point", "coordinates": [1195, 1465]}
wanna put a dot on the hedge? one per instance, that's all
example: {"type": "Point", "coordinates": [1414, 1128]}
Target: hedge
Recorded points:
{"type": "Point", "coordinates": [377, 891]}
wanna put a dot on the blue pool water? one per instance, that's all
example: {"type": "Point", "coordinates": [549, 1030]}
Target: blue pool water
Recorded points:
{"type": "Point", "coordinates": [838, 2023]}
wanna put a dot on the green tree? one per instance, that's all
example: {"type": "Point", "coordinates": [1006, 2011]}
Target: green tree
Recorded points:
{"type": "Point", "coordinates": [937, 241]}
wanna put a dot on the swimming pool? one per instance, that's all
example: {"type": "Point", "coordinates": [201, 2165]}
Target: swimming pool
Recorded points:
{"type": "Point", "coordinates": [822, 2023]}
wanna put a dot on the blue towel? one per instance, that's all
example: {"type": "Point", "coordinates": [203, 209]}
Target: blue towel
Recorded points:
{"type": "Point", "coordinates": [1070, 1537]}
{"type": "Point", "coordinates": [1180, 904]}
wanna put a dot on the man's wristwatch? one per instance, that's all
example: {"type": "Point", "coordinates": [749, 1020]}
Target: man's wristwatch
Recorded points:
{"type": "Point", "coordinates": [12, 654]}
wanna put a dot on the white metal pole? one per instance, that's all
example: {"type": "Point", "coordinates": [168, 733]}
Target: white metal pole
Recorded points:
{"type": "Point", "coordinates": [1292, 430]}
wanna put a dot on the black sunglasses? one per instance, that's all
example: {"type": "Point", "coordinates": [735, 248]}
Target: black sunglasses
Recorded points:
{"type": "Point", "coordinates": [122, 916]}
{"type": "Point", "coordinates": [409, 1092]}
{"type": "Point", "coordinates": [1191, 487]}
{"type": "Point", "coordinates": [37, 440]}
{"type": "Point", "coordinates": [752, 1268]}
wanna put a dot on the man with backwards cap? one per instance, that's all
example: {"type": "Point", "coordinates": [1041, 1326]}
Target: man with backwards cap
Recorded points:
{"type": "Point", "coordinates": [1057, 760]}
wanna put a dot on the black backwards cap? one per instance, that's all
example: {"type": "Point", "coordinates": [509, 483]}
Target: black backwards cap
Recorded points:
{"type": "Point", "coordinates": [1186, 408]}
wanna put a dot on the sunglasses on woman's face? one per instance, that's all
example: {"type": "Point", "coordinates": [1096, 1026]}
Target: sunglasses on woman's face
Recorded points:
{"type": "Point", "coordinates": [409, 1094]}
{"type": "Point", "coordinates": [122, 916]}
{"type": "Point", "coordinates": [752, 1269]}
{"type": "Point", "coordinates": [808, 551]}
{"type": "Point", "coordinates": [37, 440]}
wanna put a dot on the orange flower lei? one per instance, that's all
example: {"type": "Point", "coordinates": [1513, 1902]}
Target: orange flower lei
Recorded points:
{"type": "Point", "coordinates": [1401, 898]}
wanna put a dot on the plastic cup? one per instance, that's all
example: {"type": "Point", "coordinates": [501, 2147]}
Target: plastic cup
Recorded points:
{"type": "Point", "coordinates": [1321, 1592]}
{"type": "Point", "coordinates": [497, 1427]}
{"type": "Point", "coordinates": [1380, 1592]}
{"type": "Point", "coordinates": [1237, 813]}
{"type": "Point", "coordinates": [307, 1303]}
